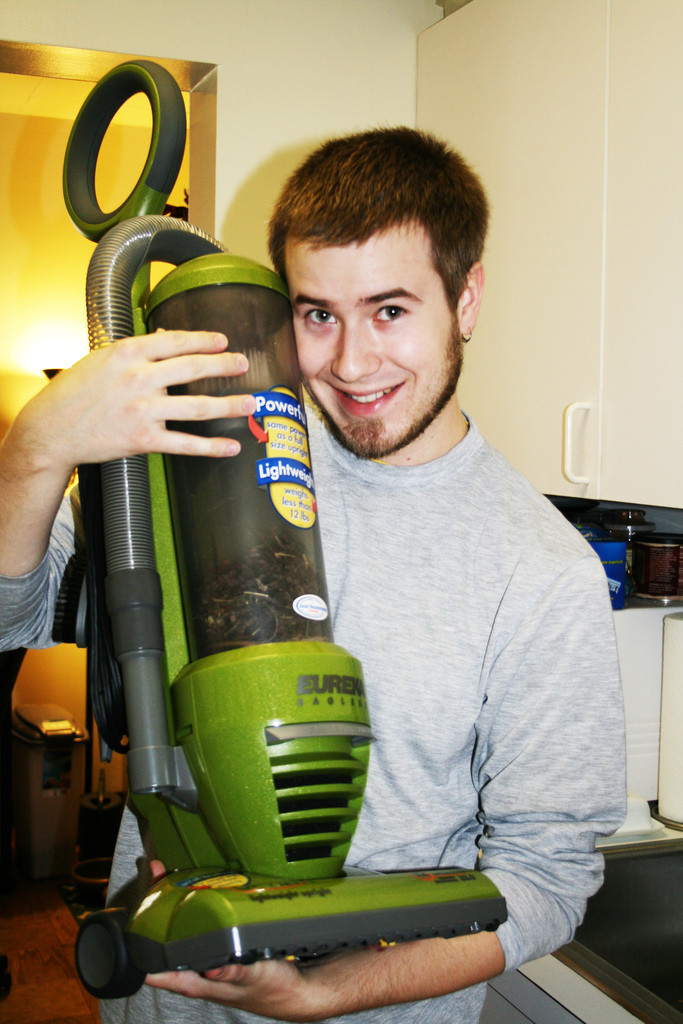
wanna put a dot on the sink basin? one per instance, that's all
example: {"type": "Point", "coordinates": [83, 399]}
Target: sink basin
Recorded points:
{"type": "Point", "coordinates": [631, 941]}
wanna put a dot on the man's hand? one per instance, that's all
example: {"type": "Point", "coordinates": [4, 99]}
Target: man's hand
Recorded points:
{"type": "Point", "coordinates": [111, 404]}
{"type": "Point", "coordinates": [114, 402]}
{"type": "Point", "coordinates": [273, 988]}
{"type": "Point", "coordinates": [264, 987]}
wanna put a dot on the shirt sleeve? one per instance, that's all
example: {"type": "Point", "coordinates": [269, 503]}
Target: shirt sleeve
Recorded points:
{"type": "Point", "coordinates": [550, 761]}
{"type": "Point", "coordinates": [27, 603]}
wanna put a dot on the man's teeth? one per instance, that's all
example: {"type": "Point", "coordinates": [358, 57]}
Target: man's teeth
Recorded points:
{"type": "Point", "coordinates": [363, 399]}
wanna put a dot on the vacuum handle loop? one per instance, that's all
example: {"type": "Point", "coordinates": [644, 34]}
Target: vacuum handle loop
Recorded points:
{"type": "Point", "coordinates": [165, 155]}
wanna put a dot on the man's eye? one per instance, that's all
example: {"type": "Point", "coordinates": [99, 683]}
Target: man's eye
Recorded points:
{"type": "Point", "coordinates": [390, 312]}
{"type": "Point", "coordinates": [320, 316]}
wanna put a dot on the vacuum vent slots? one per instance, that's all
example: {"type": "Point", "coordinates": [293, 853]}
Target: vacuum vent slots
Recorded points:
{"type": "Point", "coordinates": [318, 795]}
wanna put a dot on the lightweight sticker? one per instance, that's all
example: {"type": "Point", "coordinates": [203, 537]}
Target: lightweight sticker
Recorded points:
{"type": "Point", "coordinates": [279, 423]}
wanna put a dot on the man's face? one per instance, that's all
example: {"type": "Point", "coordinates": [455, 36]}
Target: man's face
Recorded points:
{"type": "Point", "coordinates": [378, 345]}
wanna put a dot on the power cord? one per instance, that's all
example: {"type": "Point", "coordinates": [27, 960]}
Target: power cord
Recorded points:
{"type": "Point", "coordinates": [105, 685]}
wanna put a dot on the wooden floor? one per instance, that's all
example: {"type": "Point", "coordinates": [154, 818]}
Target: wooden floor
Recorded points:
{"type": "Point", "coordinates": [37, 934]}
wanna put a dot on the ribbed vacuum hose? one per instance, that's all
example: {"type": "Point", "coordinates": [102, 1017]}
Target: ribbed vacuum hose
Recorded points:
{"type": "Point", "coordinates": [118, 258]}
{"type": "Point", "coordinates": [132, 585]}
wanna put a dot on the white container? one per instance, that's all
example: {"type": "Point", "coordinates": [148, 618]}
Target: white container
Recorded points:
{"type": "Point", "coordinates": [48, 763]}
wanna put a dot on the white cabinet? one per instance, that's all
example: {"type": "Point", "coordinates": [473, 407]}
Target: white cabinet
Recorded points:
{"type": "Point", "coordinates": [571, 111]}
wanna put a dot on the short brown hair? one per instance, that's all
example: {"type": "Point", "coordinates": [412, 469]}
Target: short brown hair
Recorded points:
{"type": "Point", "coordinates": [350, 188]}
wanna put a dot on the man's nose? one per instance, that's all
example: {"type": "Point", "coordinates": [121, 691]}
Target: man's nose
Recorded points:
{"type": "Point", "coordinates": [356, 356]}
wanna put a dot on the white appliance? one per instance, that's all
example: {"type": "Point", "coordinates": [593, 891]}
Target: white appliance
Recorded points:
{"type": "Point", "coordinates": [639, 638]}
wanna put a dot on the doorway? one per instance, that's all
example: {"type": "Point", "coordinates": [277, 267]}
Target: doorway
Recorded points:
{"type": "Point", "coordinates": [45, 259]}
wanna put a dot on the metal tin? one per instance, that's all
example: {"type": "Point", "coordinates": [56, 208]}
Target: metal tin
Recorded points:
{"type": "Point", "coordinates": [658, 567]}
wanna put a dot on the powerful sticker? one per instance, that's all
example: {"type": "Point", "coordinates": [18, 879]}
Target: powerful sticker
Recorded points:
{"type": "Point", "coordinates": [279, 422]}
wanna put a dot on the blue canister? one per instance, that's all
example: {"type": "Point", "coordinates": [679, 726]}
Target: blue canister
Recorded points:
{"type": "Point", "coordinates": [612, 554]}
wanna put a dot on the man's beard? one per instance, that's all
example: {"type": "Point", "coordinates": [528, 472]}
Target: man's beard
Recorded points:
{"type": "Point", "coordinates": [367, 440]}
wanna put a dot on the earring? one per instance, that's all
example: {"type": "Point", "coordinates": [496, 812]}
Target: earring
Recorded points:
{"type": "Point", "coordinates": [466, 337]}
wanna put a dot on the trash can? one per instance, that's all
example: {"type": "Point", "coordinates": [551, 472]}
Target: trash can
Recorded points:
{"type": "Point", "coordinates": [48, 762]}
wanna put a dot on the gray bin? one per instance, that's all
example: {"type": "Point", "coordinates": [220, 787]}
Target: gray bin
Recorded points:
{"type": "Point", "coordinates": [48, 763]}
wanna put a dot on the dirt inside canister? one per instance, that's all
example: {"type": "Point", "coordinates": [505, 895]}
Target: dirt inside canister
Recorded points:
{"type": "Point", "coordinates": [251, 601]}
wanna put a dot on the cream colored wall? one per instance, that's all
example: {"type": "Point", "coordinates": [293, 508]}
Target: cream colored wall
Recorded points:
{"type": "Point", "coordinates": [289, 73]}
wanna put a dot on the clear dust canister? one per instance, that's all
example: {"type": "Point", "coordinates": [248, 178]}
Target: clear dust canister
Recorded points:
{"type": "Point", "coordinates": [246, 527]}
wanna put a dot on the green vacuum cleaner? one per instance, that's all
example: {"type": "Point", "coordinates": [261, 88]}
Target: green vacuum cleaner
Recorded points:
{"type": "Point", "coordinates": [248, 731]}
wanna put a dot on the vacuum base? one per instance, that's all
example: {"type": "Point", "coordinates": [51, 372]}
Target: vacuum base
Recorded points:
{"type": "Point", "coordinates": [201, 920]}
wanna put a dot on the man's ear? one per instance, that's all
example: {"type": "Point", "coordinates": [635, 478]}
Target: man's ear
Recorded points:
{"type": "Point", "coordinates": [470, 299]}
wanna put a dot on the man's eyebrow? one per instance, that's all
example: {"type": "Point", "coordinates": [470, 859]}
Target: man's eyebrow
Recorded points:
{"type": "Point", "coordinates": [394, 293]}
{"type": "Point", "coordinates": [369, 300]}
{"type": "Point", "coordinates": [306, 300]}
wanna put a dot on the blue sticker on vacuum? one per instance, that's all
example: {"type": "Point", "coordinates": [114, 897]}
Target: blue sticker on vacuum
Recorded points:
{"type": "Point", "coordinates": [279, 423]}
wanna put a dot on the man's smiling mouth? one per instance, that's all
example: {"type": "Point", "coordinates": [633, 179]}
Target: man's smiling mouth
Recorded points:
{"type": "Point", "coordinates": [374, 397]}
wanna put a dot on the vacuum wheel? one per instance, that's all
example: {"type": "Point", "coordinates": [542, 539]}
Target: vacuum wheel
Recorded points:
{"type": "Point", "coordinates": [102, 956]}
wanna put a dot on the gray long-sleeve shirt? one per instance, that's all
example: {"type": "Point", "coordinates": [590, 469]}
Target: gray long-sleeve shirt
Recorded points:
{"type": "Point", "coordinates": [483, 623]}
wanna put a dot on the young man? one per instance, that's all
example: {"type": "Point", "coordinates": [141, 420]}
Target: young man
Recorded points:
{"type": "Point", "coordinates": [480, 616]}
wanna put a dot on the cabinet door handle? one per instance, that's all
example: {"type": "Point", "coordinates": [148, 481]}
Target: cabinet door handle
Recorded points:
{"type": "Point", "coordinates": [568, 438]}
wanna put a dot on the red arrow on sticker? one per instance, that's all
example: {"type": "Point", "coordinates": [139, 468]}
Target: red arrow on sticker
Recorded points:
{"type": "Point", "coordinates": [259, 433]}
